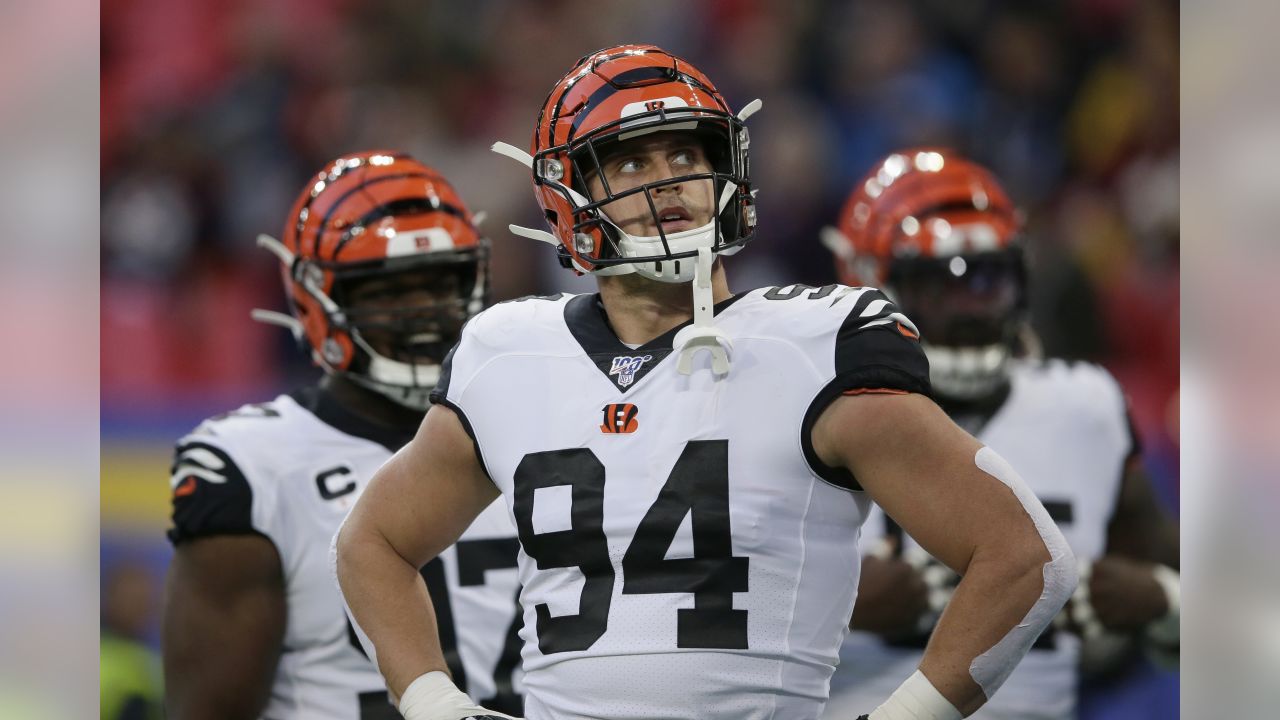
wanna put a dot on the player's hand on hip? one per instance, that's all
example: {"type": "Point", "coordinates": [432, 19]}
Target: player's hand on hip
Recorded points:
{"type": "Point", "coordinates": [433, 696]}
{"type": "Point", "coordinates": [1125, 594]}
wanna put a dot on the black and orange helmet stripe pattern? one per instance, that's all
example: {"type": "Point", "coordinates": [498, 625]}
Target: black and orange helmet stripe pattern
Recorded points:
{"type": "Point", "coordinates": [355, 190]}
{"type": "Point", "coordinates": [891, 211]}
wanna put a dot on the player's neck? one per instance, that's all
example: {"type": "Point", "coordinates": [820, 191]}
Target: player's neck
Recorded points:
{"type": "Point", "coordinates": [640, 309]}
{"type": "Point", "coordinates": [369, 405]}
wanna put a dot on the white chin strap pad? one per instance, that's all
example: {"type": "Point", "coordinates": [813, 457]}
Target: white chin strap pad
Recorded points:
{"type": "Point", "coordinates": [407, 384]}
{"type": "Point", "coordinates": [992, 668]}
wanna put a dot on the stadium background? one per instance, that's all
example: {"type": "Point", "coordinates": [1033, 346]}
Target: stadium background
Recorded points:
{"type": "Point", "coordinates": [214, 113]}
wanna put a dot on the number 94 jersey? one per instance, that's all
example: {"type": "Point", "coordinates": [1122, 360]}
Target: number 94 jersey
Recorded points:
{"type": "Point", "coordinates": [683, 552]}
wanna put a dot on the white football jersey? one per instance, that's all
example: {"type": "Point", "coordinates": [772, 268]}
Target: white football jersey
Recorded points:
{"type": "Point", "coordinates": [1064, 427]}
{"type": "Point", "coordinates": [684, 555]}
{"type": "Point", "coordinates": [290, 470]}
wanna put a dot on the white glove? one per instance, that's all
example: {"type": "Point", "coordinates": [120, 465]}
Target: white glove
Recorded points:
{"type": "Point", "coordinates": [433, 696]}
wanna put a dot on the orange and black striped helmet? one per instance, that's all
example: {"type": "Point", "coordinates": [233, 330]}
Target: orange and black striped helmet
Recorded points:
{"type": "Point", "coordinates": [616, 94]}
{"type": "Point", "coordinates": [921, 202]}
{"type": "Point", "coordinates": [382, 264]}
{"type": "Point", "coordinates": [940, 235]}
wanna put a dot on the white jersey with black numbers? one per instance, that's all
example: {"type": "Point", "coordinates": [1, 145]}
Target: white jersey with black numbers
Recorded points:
{"type": "Point", "coordinates": [290, 470]}
{"type": "Point", "coordinates": [1064, 427]}
{"type": "Point", "coordinates": [684, 555]}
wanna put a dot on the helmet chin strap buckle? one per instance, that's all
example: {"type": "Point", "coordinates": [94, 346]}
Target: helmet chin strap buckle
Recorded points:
{"type": "Point", "coordinates": [702, 334]}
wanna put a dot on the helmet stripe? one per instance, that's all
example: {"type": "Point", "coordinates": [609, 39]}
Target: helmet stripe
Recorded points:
{"type": "Point", "coordinates": [329, 177]}
{"type": "Point", "coordinates": [345, 196]}
{"type": "Point", "coordinates": [627, 79]}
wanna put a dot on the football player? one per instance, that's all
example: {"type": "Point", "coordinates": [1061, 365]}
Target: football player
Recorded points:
{"type": "Point", "coordinates": [939, 234]}
{"type": "Point", "coordinates": [382, 265]}
{"type": "Point", "coordinates": [687, 468]}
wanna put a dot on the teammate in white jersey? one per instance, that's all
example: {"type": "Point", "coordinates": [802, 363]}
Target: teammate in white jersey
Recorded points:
{"type": "Point", "coordinates": [687, 468]}
{"type": "Point", "coordinates": [940, 234]}
{"type": "Point", "coordinates": [382, 264]}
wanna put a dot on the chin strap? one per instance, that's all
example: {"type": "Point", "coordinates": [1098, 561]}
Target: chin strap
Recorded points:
{"type": "Point", "coordinates": [702, 334]}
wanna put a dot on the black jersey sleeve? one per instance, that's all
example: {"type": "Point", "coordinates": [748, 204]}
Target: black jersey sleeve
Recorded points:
{"type": "Point", "coordinates": [211, 495]}
{"type": "Point", "coordinates": [877, 350]}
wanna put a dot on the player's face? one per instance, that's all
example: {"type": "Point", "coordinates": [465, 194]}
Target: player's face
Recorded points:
{"type": "Point", "coordinates": [413, 315]}
{"type": "Point", "coordinates": [652, 158]}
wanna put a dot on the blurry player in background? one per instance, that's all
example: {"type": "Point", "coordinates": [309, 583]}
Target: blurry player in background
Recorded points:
{"type": "Point", "coordinates": [382, 265]}
{"type": "Point", "coordinates": [941, 236]}
{"type": "Point", "coordinates": [129, 682]}
{"type": "Point", "coordinates": [688, 520]}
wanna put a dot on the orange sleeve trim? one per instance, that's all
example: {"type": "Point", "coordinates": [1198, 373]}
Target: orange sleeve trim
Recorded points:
{"type": "Point", "coordinates": [875, 391]}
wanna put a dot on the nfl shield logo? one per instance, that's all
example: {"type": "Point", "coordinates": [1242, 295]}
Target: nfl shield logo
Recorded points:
{"type": "Point", "coordinates": [626, 367]}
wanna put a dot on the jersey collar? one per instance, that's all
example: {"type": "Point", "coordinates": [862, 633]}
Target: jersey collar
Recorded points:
{"type": "Point", "coordinates": [587, 322]}
{"type": "Point", "coordinates": [331, 412]}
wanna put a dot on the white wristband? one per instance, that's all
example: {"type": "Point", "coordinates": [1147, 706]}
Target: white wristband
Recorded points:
{"type": "Point", "coordinates": [1167, 630]}
{"type": "Point", "coordinates": [916, 699]}
{"type": "Point", "coordinates": [433, 696]}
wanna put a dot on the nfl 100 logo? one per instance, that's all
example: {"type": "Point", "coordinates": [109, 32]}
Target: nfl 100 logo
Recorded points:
{"type": "Point", "coordinates": [626, 367]}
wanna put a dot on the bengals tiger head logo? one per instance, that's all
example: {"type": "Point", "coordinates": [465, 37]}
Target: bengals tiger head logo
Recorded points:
{"type": "Point", "coordinates": [619, 418]}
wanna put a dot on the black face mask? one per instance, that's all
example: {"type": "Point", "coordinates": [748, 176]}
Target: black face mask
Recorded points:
{"type": "Point", "coordinates": [962, 301]}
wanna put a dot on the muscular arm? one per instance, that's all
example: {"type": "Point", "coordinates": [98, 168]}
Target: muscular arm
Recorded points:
{"type": "Point", "coordinates": [920, 467]}
{"type": "Point", "coordinates": [1139, 528]}
{"type": "Point", "coordinates": [224, 620]}
{"type": "Point", "coordinates": [416, 505]}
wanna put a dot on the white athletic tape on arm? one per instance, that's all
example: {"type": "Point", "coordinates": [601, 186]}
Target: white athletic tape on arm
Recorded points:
{"type": "Point", "coordinates": [916, 699]}
{"type": "Point", "coordinates": [433, 696]}
{"type": "Point", "coordinates": [992, 668]}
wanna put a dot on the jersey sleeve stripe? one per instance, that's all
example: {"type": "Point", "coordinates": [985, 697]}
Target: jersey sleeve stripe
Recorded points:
{"type": "Point", "coordinates": [211, 495]}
